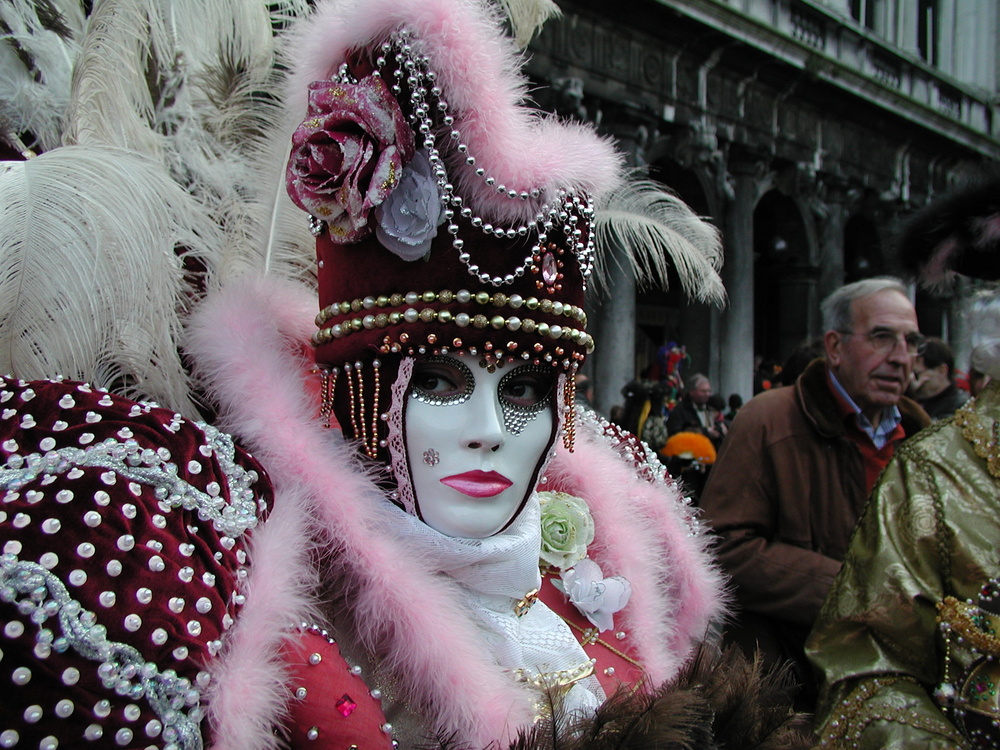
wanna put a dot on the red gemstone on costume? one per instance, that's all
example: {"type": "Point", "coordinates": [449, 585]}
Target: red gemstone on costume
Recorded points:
{"type": "Point", "coordinates": [345, 705]}
{"type": "Point", "coordinates": [550, 271]}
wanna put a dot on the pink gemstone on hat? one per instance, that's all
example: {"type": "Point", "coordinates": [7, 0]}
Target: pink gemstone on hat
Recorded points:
{"type": "Point", "coordinates": [345, 705]}
{"type": "Point", "coordinates": [550, 271]}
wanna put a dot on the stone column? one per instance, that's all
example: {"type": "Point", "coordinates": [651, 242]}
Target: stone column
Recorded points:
{"type": "Point", "coordinates": [736, 347]}
{"type": "Point", "coordinates": [907, 24]}
{"type": "Point", "coordinates": [959, 333]}
{"type": "Point", "coordinates": [697, 148]}
{"type": "Point", "coordinates": [614, 357]}
{"type": "Point", "coordinates": [950, 43]}
{"type": "Point", "coordinates": [614, 317]}
{"type": "Point", "coordinates": [836, 211]}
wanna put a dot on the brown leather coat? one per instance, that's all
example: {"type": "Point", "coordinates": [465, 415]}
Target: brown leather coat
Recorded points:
{"type": "Point", "coordinates": [785, 495]}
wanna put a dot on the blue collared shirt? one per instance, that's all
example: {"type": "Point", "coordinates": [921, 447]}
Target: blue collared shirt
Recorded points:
{"type": "Point", "coordinates": [891, 418]}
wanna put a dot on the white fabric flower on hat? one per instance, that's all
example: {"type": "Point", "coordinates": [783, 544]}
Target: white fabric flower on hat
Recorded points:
{"type": "Point", "coordinates": [409, 218]}
{"type": "Point", "coordinates": [596, 597]}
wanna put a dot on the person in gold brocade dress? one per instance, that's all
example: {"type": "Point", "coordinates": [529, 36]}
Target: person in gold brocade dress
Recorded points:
{"type": "Point", "coordinates": [907, 640]}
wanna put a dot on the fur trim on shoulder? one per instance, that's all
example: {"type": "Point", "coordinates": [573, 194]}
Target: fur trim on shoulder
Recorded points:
{"type": "Point", "coordinates": [248, 694]}
{"type": "Point", "coordinates": [478, 72]}
{"type": "Point", "coordinates": [648, 533]}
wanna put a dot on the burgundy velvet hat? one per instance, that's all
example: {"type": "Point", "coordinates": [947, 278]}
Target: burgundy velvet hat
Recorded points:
{"type": "Point", "coordinates": [448, 215]}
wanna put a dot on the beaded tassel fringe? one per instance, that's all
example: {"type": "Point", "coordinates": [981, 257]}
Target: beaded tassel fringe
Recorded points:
{"type": "Point", "coordinates": [359, 407]}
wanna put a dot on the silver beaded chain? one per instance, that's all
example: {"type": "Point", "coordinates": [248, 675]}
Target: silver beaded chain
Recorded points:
{"type": "Point", "coordinates": [430, 119]}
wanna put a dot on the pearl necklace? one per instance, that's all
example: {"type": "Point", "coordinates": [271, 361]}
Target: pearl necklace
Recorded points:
{"type": "Point", "coordinates": [563, 212]}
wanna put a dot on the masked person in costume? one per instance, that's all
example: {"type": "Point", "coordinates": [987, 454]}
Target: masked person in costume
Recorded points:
{"type": "Point", "coordinates": [906, 641]}
{"type": "Point", "coordinates": [455, 236]}
{"type": "Point", "coordinates": [431, 543]}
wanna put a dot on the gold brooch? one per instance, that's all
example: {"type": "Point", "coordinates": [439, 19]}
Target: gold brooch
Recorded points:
{"type": "Point", "coordinates": [521, 607]}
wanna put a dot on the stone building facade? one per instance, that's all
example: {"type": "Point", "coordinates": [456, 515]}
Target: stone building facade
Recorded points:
{"type": "Point", "coordinates": [805, 130]}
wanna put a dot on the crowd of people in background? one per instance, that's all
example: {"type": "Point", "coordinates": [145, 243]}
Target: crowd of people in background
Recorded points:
{"type": "Point", "coordinates": [657, 410]}
{"type": "Point", "coordinates": [886, 608]}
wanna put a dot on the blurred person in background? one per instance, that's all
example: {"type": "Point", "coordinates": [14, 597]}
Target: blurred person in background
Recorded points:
{"type": "Point", "coordinates": [933, 385]}
{"type": "Point", "coordinates": [695, 412]}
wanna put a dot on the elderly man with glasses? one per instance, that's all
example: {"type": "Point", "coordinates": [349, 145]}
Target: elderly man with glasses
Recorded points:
{"type": "Point", "coordinates": [794, 473]}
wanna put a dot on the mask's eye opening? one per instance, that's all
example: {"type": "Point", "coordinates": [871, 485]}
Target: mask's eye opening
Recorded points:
{"type": "Point", "coordinates": [441, 380]}
{"type": "Point", "coordinates": [527, 387]}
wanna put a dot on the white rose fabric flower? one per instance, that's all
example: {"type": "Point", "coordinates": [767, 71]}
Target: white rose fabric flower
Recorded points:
{"type": "Point", "coordinates": [596, 597]}
{"type": "Point", "coordinates": [409, 217]}
{"type": "Point", "coordinates": [567, 529]}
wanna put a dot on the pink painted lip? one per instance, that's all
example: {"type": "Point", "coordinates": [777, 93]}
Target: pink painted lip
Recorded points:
{"type": "Point", "coordinates": [478, 483]}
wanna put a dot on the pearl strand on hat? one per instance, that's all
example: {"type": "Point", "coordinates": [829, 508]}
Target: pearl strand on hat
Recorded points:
{"type": "Point", "coordinates": [563, 213]}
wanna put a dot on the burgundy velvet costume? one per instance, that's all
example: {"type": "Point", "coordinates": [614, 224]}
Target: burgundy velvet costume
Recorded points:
{"type": "Point", "coordinates": [122, 565]}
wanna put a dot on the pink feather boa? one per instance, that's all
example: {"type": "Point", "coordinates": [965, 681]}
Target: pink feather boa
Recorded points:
{"type": "Point", "coordinates": [247, 342]}
{"type": "Point", "coordinates": [478, 71]}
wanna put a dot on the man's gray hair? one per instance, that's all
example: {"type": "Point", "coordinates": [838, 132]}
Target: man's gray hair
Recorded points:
{"type": "Point", "coordinates": [836, 308]}
{"type": "Point", "coordinates": [696, 380]}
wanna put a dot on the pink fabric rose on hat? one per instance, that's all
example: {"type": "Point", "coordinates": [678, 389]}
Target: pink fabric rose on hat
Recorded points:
{"type": "Point", "coordinates": [348, 154]}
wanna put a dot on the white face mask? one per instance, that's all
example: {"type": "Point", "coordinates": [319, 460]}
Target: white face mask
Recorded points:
{"type": "Point", "coordinates": [475, 441]}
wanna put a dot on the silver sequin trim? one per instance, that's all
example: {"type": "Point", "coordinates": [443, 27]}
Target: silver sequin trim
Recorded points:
{"type": "Point", "coordinates": [39, 595]}
{"type": "Point", "coordinates": [467, 386]}
{"type": "Point", "coordinates": [517, 416]}
{"type": "Point", "coordinates": [147, 466]}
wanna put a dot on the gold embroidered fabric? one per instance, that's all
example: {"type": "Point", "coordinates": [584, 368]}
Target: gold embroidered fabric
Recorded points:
{"type": "Point", "coordinates": [931, 531]}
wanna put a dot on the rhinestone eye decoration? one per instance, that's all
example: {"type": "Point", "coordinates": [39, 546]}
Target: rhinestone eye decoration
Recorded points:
{"type": "Point", "coordinates": [525, 392]}
{"type": "Point", "coordinates": [431, 381]}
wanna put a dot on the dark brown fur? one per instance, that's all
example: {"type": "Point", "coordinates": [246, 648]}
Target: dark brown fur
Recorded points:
{"type": "Point", "coordinates": [720, 701]}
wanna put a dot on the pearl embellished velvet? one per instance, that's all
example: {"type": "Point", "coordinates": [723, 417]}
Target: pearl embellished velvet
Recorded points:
{"type": "Point", "coordinates": [122, 532]}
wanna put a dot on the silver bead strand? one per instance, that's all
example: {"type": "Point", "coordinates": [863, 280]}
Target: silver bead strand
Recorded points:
{"type": "Point", "coordinates": [429, 105]}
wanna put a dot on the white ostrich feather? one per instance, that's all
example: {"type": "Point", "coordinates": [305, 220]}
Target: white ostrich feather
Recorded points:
{"type": "Point", "coordinates": [38, 49]}
{"type": "Point", "coordinates": [91, 278]}
{"type": "Point", "coordinates": [240, 136]}
{"type": "Point", "coordinates": [527, 16]}
{"type": "Point", "coordinates": [267, 232]}
{"type": "Point", "coordinates": [212, 115]}
{"type": "Point", "coordinates": [176, 139]}
{"type": "Point", "coordinates": [112, 103]}
{"type": "Point", "coordinates": [655, 231]}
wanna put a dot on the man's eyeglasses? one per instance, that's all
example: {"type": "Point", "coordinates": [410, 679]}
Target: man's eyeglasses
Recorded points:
{"type": "Point", "coordinates": [886, 341]}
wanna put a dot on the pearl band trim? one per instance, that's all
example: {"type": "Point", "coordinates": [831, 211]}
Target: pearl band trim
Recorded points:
{"type": "Point", "coordinates": [446, 317]}
{"type": "Point", "coordinates": [447, 297]}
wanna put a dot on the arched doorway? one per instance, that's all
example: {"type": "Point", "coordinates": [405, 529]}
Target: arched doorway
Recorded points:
{"type": "Point", "coordinates": [863, 256]}
{"type": "Point", "coordinates": [784, 278]}
{"type": "Point", "coordinates": [664, 316]}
